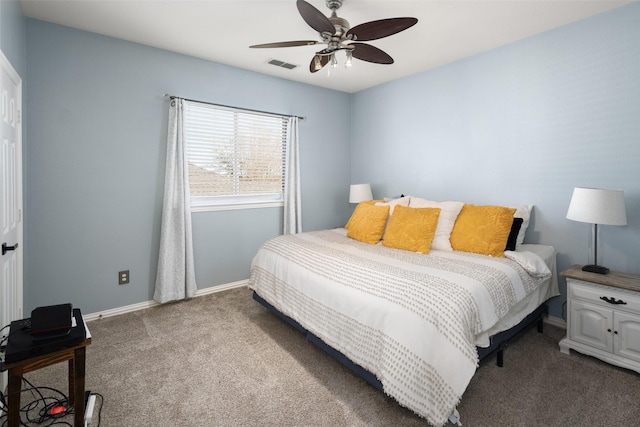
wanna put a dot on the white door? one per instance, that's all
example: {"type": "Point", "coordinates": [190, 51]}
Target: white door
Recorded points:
{"type": "Point", "coordinates": [10, 197]}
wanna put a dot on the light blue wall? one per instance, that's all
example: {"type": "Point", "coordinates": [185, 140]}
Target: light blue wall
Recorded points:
{"type": "Point", "coordinates": [522, 124]}
{"type": "Point", "coordinates": [96, 152]}
{"type": "Point", "coordinates": [12, 34]}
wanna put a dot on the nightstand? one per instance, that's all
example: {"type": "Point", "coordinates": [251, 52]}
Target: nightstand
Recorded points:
{"type": "Point", "coordinates": [603, 316]}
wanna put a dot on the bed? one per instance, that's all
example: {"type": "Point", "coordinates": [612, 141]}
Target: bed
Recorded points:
{"type": "Point", "coordinates": [414, 324]}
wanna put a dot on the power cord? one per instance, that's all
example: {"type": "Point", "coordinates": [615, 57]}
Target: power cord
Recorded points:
{"type": "Point", "coordinates": [3, 405]}
{"type": "Point", "coordinates": [3, 343]}
{"type": "Point", "coordinates": [47, 410]}
{"type": "Point", "coordinates": [42, 408]}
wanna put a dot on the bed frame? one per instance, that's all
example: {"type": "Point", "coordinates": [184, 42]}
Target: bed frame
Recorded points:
{"type": "Point", "coordinates": [498, 341]}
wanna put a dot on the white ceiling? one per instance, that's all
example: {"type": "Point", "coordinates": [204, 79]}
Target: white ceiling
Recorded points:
{"type": "Point", "coordinates": [222, 30]}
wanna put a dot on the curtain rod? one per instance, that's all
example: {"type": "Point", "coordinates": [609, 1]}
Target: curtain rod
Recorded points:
{"type": "Point", "coordinates": [230, 106]}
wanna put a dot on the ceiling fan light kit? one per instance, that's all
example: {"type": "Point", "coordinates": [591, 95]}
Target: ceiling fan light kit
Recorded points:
{"type": "Point", "coordinates": [338, 35]}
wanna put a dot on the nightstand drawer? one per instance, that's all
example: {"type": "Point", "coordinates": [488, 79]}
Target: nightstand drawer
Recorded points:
{"type": "Point", "coordinates": [615, 298]}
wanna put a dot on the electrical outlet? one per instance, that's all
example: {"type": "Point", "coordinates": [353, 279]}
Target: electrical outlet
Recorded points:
{"type": "Point", "coordinates": [123, 277]}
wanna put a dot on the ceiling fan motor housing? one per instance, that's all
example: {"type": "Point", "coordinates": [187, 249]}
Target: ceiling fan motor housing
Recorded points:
{"type": "Point", "coordinates": [334, 4]}
{"type": "Point", "coordinates": [341, 25]}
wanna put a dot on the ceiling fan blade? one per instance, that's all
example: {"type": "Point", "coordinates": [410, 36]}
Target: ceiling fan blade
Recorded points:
{"type": "Point", "coordinates": [366, 52]}
{"type": "Point", "coordinates": [320, 60]}
{"type": "Point", "coordinates": [286, 44]}
{"type": "Point", "coordinates": [314, 17]}
{"type": "Point", "coordinates": [382, 28]}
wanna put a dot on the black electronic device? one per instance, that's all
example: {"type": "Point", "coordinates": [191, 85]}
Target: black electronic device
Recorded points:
{"type": "Point", "coordinates": [22, 345]}
{"type": "Point", "coordinates": [592, 268]}
{"type": "Point", "coordinates": [51, 321]}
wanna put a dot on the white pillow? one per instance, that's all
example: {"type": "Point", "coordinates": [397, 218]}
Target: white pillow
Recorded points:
{"type": "Point", "coordinates": [403, 201]}
{"type": "Point", "coordinates": [523, 212]}
{"type": "Point", "coordinates": [448, 213]}
{"type": "Point", "coordinates": [530, 262]}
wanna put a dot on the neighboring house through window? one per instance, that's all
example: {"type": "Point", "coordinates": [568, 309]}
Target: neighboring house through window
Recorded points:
{"type": "Point", "coordinates": [236, 157]}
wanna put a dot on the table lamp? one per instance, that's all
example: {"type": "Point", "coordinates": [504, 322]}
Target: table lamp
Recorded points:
{"type": "Point", "coordinates": [597, 206]}
{"type": "Point", "coordinates": [360, 193]}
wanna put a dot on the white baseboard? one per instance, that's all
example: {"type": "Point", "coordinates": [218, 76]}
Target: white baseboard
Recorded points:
{"type": "Point", "coordinates": [556, 321]}
{"type": "Point", "coordinates": [148, 304]}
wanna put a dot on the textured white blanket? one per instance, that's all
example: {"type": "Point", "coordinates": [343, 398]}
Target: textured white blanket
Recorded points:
{"type": "Point", "coordinates": [408, 318]}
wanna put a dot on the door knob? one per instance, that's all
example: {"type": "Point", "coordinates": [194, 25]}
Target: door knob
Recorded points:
{"type": "Point", "coordinates": [6, 248]}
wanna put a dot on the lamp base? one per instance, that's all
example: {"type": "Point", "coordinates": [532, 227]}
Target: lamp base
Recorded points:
{"type": "Point", "coordinates": [595, 269]}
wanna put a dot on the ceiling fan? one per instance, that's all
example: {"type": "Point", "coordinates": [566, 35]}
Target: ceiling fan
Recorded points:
{"type": "Point", "coordinates": [337, 34]}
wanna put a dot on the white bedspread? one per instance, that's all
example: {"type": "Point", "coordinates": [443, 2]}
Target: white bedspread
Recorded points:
{"type": "Point", "coordinates": [410, 319]}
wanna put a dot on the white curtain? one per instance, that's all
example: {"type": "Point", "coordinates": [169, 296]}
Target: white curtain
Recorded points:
{"type": "Point", "coordinates": [292, 204]}
{"type": "Point", "coordinates": [175, 278]}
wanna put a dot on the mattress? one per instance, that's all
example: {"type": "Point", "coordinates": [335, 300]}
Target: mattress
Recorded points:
{"type": "Point", "coordinates": [548, 289]}
{"type": "Point", "coordinates": [410, 319]}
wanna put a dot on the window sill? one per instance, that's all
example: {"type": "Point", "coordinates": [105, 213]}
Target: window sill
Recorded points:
{"type": "Point", "coordinates": [236, 206]}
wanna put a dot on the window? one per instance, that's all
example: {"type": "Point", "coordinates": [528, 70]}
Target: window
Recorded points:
{"type": "Point", "coordinates": [236, 157]}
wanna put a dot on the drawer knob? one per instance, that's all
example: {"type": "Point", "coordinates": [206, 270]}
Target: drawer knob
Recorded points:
{"type": "Point", "coordinates": [612, 300]}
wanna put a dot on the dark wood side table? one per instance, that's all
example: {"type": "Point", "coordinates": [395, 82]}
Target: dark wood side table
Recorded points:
{"type": "Point", "coordinates": [76, 357]}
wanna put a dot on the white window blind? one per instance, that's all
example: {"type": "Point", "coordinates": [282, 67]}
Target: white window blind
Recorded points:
{"type": "Point", "coordinates": [236, 157]}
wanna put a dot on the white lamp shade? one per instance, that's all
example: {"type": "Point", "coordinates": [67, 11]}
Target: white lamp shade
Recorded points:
{"type": "Point", "coordinates": [597, 206]}
{"type": "Point", "coordinates": [360, 193]}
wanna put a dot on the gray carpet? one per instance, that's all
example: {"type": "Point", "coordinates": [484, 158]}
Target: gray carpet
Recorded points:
{"type": "Point", "coordinates": [224, 360]}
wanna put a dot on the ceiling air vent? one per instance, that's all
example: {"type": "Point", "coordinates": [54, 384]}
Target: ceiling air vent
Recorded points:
{"type": "Point", "coordinates": [282, 64]}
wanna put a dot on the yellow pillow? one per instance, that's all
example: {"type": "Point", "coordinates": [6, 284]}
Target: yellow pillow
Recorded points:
{"type": "Point", "coordinates": [368, 202]}
{"type": "Point", "coordinates": [404, 201]}
{"type": "Point", "coordinates": [412, 229]}
{"type": "Point", "coordinates": [482, 229]}
{"type": "Point", "coordinates": [367, 223]}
